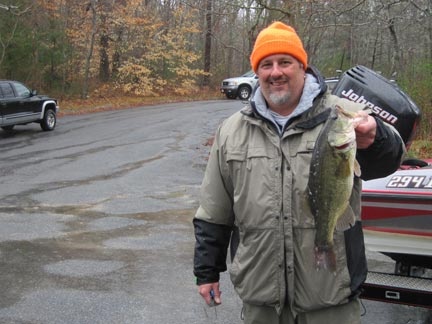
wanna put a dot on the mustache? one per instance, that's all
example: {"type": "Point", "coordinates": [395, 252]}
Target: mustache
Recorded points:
{"type": "Point", "coordinates": [278, 79]}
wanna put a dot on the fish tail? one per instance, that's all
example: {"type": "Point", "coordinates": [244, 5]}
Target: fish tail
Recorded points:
{"type": "Point", "coordinates": [325, 258]}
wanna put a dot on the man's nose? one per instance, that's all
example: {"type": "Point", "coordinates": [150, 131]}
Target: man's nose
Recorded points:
{"type": "Point", "coordinates": [276, 69]}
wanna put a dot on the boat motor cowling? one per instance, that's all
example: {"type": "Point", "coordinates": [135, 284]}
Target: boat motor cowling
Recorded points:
{"type": "Point", "coordinates": [385, 99]}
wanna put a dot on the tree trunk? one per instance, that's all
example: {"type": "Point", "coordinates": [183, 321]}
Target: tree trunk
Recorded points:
{"type": "Point", "coordinates": [104, 64]}
{"type": "Point", "coordinates": [395, 62]}
{"type": "Point", "coordinates": [85, 89]}
{"type": "Point", "coordinates": [207, 45]}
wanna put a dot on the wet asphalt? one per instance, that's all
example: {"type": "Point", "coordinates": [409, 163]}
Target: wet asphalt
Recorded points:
{"type": "Point", "coordinates": [95, 220]}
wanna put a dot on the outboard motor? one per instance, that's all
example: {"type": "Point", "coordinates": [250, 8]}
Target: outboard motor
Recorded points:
{"type": "Point", "coordinates": [386, 100]}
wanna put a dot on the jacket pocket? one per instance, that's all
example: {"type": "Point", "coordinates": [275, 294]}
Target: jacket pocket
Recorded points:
{"type": "Point", "coordinates": [254, 180]}
{"type": "Point", "coordinates": [246, 159]}
{"type": "Point", "coordinates": [315, 289]}
{"type": "Point", "coordinates": [236, 162]}
{"type": "Point", "coordinates": [255, 270]}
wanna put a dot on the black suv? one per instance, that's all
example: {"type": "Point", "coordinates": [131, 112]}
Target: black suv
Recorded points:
{"type": "Point", "coordinates": [19, 106]}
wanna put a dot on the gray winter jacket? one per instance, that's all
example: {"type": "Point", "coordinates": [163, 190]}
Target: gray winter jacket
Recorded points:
{"type": "Point", "coordinates": [254, 196]}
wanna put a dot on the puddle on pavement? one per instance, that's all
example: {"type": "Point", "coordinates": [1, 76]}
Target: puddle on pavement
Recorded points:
{"type": "Point", "coordinates": [82, 267]}
{"type": "Point", "coordinates": [73, 306]}
{"type": "Point", "coordinates": [114, 222]}
{"type": "Point", "coordinates": [90, 250]}
{"type": "Point", "coordinates": [27, 227]}
{"type": "Point", "coordinates": [151, 241]}
{"type": "Point", "coordinates": [168, 194]}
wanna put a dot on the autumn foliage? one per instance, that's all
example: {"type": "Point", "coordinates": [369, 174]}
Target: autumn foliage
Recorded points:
{"type": "Point", "coordinates": [141, 49]}
{"type": "Point", "coordinates": [152, 48]}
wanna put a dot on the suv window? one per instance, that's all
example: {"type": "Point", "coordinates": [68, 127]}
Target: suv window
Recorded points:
{"type": "Point", "coordinates": [249, 74]}
{"type": "Point", "coordinates": [6, 90]}
{"type": "Point", "coordinates": [21, 90]}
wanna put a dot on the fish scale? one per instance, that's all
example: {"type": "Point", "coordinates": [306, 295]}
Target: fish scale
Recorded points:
{"type": "Point", "coordinates": [330, 182]}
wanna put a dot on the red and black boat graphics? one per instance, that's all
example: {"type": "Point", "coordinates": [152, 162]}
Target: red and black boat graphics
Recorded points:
{"type": "Point", "coordinates": [397, 215]}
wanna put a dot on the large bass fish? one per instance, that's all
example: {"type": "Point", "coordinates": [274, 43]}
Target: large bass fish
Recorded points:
{"type": "Point", "coordinates": [331, 178]}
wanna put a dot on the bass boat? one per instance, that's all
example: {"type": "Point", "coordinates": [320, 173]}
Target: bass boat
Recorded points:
{"type": "Point", "coordinates": [397, 214]}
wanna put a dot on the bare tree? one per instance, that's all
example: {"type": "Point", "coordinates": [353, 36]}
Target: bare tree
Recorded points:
{"type": "Point", "coordinates": [208, 42]}
{"type": "Point", "coordinates": [91, 6]}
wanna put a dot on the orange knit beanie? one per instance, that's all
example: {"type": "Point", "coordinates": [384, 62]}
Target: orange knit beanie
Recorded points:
{"type": "Point", "coordinates": [278, 38]}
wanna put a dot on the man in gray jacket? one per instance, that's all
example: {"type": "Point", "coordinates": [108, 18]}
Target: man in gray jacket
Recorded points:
{"type": "Point", "coordinates": [253, 196]}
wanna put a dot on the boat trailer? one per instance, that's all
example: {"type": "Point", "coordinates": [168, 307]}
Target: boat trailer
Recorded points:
{"type": "Point", "coordinates": [398, 289]}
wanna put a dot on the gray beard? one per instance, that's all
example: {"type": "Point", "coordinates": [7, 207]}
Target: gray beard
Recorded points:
{"type": "Point", "coordinates": [279, 99]}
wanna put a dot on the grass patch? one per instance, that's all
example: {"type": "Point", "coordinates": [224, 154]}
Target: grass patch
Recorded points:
{"type": "Point", "coordinates": [421, 149]}
{"type": "Point", "coordinates": [105, 103]}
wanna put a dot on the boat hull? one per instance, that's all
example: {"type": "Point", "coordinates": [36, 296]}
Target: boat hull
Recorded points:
{"type": "Point", "coordinates": [397, 215]}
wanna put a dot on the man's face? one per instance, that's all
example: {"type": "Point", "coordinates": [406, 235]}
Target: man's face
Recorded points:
{"type": "Point", "coordinates": [281, 79]}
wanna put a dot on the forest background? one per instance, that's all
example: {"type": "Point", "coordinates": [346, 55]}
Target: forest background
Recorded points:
{"type": "Point", "coordinates": [98, 54]}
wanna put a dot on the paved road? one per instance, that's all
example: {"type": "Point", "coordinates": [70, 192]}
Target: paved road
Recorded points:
{"type": "Point", "coordinates": [95, 220]}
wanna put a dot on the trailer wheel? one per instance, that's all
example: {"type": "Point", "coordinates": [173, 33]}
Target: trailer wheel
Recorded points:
{"type": "Point", "coordinates": [405, 269]}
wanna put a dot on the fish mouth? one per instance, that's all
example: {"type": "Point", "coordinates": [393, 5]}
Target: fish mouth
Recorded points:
{"type": "Point", "coordinates": [343, 146]}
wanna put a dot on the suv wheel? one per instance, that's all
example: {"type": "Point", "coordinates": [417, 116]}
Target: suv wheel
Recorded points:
{"type": "Point", "coordinates": [49, 120]}
{"type": "Point", "coordinates": [244, 92]}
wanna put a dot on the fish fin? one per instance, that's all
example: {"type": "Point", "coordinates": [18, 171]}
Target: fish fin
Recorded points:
{"type": "Point", "coordinates": [325, 258]}
{"type": "Point", "coordinates": [342, 169]}
{"type": "Point", "coordinates": [360, 118]}
{"type": "Point", "coordinates": [357, 169]}
{"type": "Point", "coordinates": [346, 221]}
{"type": "Point", "coordinates": [351, 106]}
